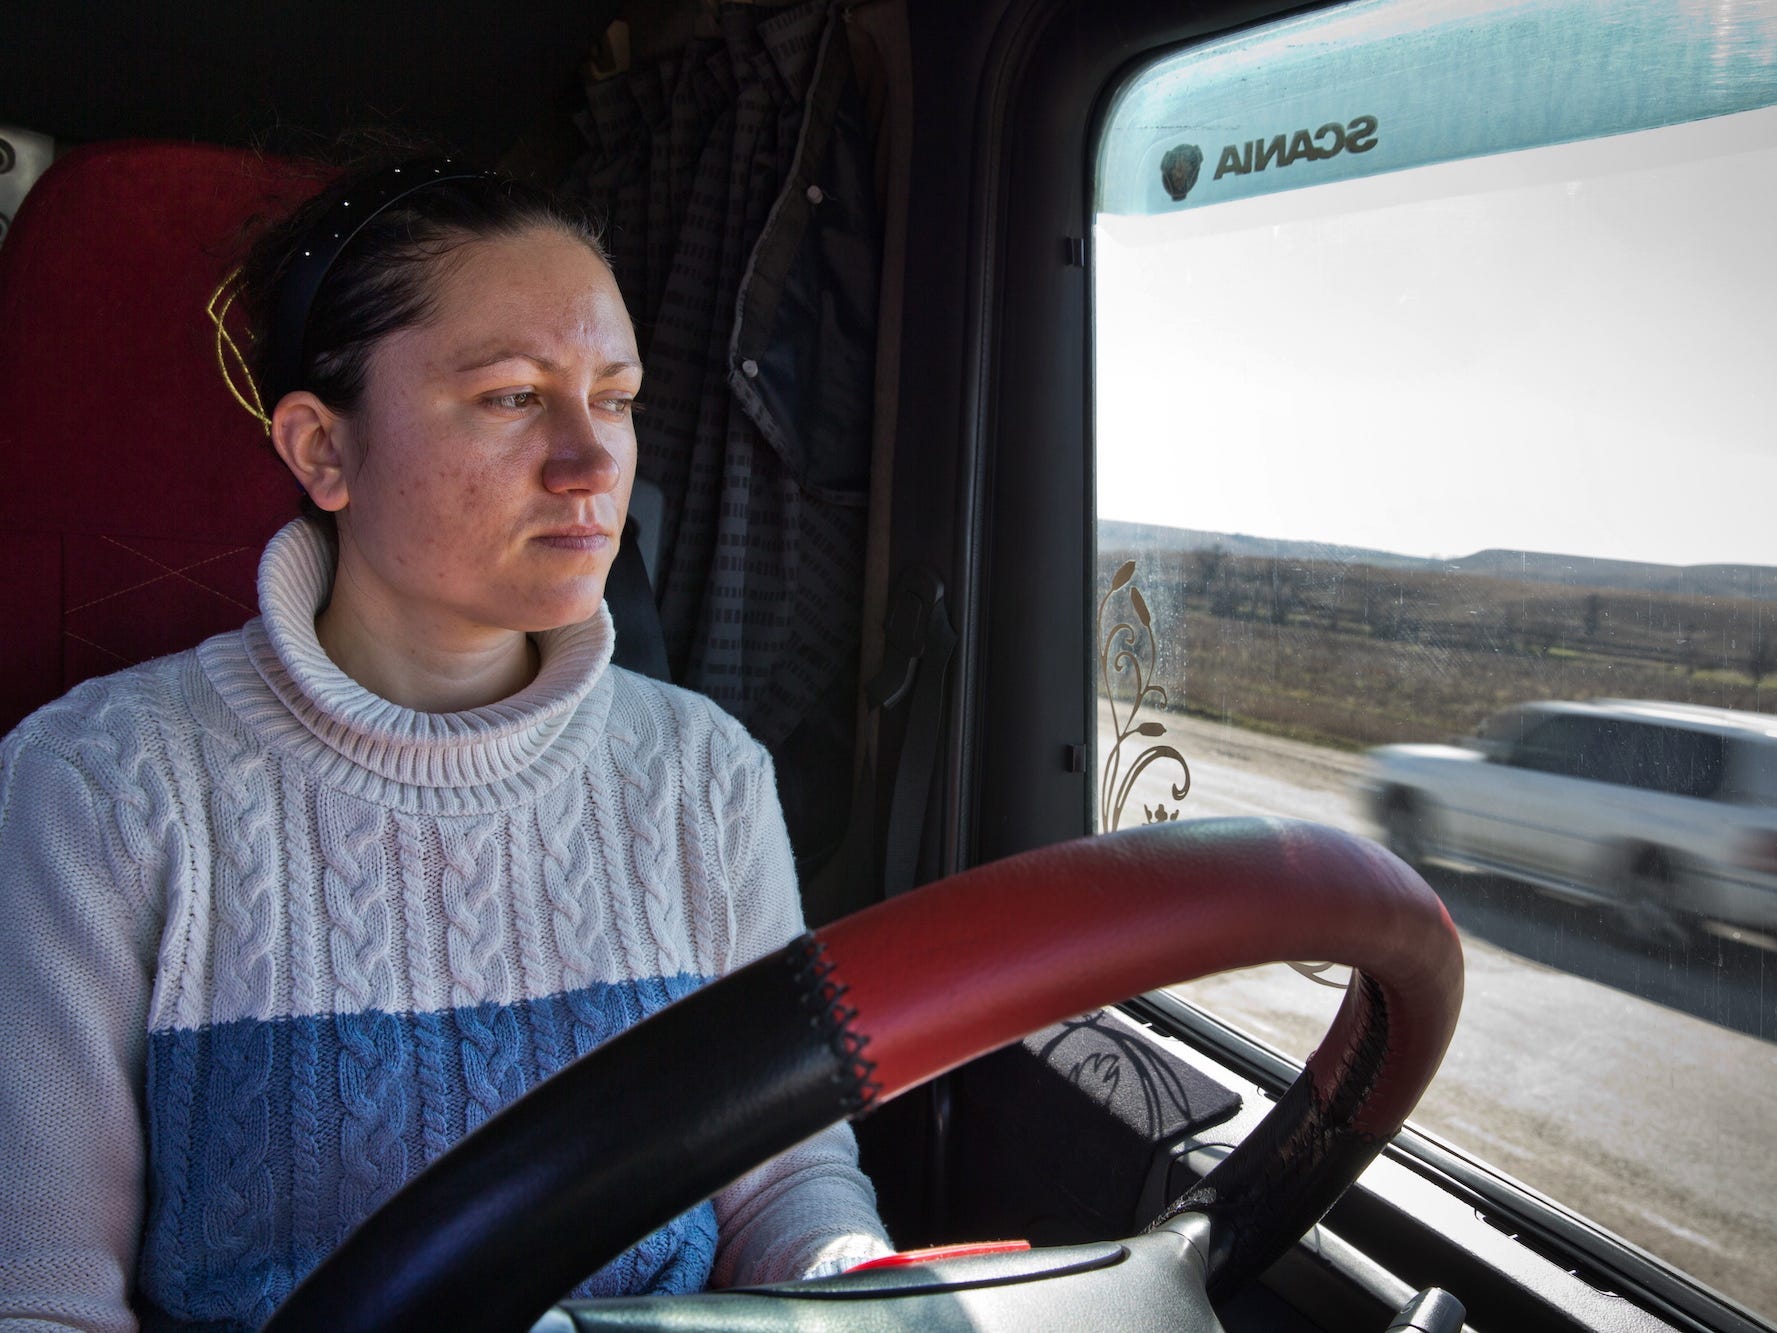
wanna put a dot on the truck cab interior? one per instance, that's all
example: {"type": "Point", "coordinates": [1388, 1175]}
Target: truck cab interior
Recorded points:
{"type": "Point", "coordinates": [1046, 402]}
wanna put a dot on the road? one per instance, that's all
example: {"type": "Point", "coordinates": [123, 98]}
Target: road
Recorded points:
{"type": "Point", "coordinates": [1634, 1088]}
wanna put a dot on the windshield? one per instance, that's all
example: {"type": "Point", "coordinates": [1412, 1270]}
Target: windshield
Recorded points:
{"type": "Point", "coordinates": [1432, 355]}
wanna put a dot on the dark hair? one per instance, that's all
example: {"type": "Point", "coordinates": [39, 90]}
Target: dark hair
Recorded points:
{"type": "Point", "coordinates": [385, 278]}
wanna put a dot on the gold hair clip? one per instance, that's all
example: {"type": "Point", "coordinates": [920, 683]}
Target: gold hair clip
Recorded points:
{"type": "Point", "coordinates": [229, 357]}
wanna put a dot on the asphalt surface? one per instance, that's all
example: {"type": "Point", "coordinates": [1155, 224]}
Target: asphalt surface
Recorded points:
{"type": "Point", "coordinates": [1633, 1083]}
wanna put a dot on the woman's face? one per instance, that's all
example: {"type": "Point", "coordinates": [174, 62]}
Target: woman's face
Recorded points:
{"type": "Point", "coordinates": [488, 466]}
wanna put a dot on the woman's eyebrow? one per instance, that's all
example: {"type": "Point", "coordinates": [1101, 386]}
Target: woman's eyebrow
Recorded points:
{"type": "Point", "coordinates": [480, 360]}
{"type": "Point", "coordinates": [493, 356]}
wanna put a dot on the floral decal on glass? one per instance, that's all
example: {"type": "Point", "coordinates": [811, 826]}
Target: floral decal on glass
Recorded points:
{"type": "Point", "coordinates": [1126, 658]}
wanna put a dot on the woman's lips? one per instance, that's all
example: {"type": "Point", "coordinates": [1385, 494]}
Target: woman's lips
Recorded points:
{"type": "Point", "coordinates": [575, 539]}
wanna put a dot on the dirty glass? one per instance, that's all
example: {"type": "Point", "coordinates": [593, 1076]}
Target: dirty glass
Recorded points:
{"type": "Point", "coordinates": [1433, 350]}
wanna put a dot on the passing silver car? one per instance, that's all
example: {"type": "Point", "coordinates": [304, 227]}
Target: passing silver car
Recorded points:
{"type": "Point", "coordinates": [1666, 811]}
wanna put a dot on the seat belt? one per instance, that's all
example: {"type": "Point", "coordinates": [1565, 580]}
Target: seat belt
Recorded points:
{"type": "Point", "coordinates": [918, 641]}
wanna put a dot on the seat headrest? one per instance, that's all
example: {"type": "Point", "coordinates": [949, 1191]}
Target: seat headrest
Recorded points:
{"type": "Point", "coordinates": [138, 493]}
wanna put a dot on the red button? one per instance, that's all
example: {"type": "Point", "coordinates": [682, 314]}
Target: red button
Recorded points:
{"type": "Point", "coordinates": [907, 1258]}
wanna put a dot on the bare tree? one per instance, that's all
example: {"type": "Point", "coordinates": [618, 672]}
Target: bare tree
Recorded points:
{"type": "Point", "coordinates": [1286, 590]}
{"type": "Point", "coordinates": [1215, 579]}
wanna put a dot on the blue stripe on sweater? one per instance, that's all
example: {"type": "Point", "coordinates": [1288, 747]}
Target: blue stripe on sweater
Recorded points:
{"type": "Point", "coordinates": [269, 1140]}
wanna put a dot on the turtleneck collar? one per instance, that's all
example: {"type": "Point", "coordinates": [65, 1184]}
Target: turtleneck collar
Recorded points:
{"type": "Point", "coordinates": [526, 740]}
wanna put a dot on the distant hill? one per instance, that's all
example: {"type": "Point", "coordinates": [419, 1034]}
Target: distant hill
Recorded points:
{"type": "Point", "coordinates": [1757, 581]}
{"type": "Point", "coordinates": [1116, 535]}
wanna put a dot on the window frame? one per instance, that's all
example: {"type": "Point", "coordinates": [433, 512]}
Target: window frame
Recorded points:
{"type": "Point", "coordinates": [1021, 554]}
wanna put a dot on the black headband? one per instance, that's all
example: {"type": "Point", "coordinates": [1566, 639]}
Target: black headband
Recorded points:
{"type": "Point", "coordinates": [322, 246]}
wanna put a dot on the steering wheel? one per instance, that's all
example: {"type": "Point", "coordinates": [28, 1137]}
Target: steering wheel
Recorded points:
{"type": "Point", "coordinates": [841, 1020]}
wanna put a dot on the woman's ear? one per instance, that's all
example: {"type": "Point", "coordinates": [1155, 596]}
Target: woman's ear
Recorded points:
{"type": "Point", "coordinates": [310, 438]}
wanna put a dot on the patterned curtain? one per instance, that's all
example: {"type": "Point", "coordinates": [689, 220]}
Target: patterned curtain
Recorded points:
{"type": "Point", "coordinates": [736, 184]}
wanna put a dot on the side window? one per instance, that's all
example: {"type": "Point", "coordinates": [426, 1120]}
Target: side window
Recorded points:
{"type": "Point", "coordinates": [1500, 734]}
{"type": "Point", "coordinates": [1565, 747]}
{"type": "Point", "coordinates": [1751, 777]}
{"type": "Point", "coordinates": [1431, 348]}
{"type": "Point", "coordinates": [1677, 761]}
{"type": "Point", "coordinates": [1611, 750]}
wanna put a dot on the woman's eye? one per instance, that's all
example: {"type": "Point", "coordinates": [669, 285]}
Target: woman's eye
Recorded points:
{"type": "Point", "coordinates": [515, 401]}
{"type": "Point", "coordinates": [618, 407]}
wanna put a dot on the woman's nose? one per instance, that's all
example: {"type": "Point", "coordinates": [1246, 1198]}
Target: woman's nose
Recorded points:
{"type": "Point", "coordinates": [580, 459]}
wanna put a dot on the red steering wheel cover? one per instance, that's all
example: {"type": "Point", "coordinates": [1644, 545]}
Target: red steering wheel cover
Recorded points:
{"type": "Point", "coordinates": [1035, 938]}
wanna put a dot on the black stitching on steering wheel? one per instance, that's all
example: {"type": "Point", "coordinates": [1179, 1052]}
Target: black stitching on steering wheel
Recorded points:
{"type": "Point", "coordinates": [823, 1000]}
{"type": "Point", "coordinates": [1362, 1069]}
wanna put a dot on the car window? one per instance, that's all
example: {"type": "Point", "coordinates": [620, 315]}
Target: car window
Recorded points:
{"type": "Point", "coordinates": [1568, 747]}
{"type": "Point", "coordinates": [1431, 349]}
{"type": "Point", "coordinates": [1675, 761]}
{"type": "Point", "coordinates": [1752, 773]}
{"type": "Point", "coordinates": [1500, 733]}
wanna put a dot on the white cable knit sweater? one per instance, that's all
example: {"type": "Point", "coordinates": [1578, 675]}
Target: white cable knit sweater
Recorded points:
{"type": "Point", "coordinates": [270, 943]}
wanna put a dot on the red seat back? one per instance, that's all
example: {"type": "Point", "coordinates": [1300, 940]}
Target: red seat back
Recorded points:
{"type": "Point", "coordinates": [137, 492]}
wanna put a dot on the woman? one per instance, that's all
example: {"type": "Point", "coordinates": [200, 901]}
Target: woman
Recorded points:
{"type": "Point", "coordinates": [284, 916]}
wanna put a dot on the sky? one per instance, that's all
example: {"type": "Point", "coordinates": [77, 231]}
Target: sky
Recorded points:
{"type": "Point", "coordinates": [1570, 349]}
